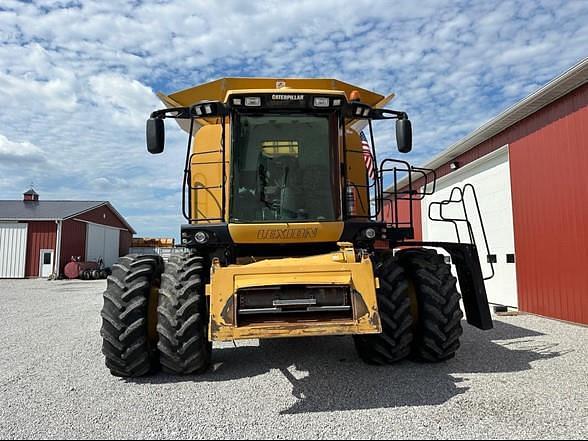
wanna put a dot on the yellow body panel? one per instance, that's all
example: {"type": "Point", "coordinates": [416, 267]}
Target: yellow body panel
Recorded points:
{"type": "Point", "coordinates": [285, 91]}
{"type": "Point", "coordinates": [281, 233]}
{"type": "Point", "coordinates": [206, 171]}
{"type": "Point", "coordinates": [356, 171]}
{"type": "Point", "coordinates": [217, 90]}
{"type": "Point", "coordinates": [338, 268]}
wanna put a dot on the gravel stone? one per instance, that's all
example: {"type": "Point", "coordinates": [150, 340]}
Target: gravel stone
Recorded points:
{"type": "Point", "coordinates": [525, 379]}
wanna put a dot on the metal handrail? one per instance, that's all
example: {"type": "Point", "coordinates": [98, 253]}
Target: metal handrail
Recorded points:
{"type": "Point", "coordinates": [187, 181]}
{"type": "Point", "coordinates": [461, 192]}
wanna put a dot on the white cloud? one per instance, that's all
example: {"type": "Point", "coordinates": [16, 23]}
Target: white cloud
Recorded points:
{"type": "Point", "coordinates": [12, 152]}
{"type": "Point", "coordinates": [127, 99]}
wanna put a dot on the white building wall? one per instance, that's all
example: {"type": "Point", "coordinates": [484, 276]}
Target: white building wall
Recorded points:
{"type": "Point", "coordinates": [13, 249]}
{"type": "Point", "coordinates": [490, 177]}
{"type": "Point", "coordinates": [102, 242]}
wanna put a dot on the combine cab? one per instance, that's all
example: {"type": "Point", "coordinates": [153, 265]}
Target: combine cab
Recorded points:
{"type": "Point", "coordinates": [286, 235]}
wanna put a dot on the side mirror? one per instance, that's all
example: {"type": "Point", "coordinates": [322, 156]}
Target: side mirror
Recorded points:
{"type": "Point", "coordinates": [404, 135]}
{"type": "Point", "coordinates": [155, 135]}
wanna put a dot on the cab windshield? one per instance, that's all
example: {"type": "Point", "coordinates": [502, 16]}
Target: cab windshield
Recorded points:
{"type": "Point", "coordinates": [282, 169]}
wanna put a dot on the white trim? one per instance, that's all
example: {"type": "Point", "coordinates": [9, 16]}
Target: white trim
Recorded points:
{"type": "Point", "coordinates": [100, 225]}
{"type": "Point", "coordinates": [128, 228]}
{"type": "Point", "coordinates": [86, 242]}
{"type": "Point", "coordinates": [466, 168]}
{"type": "Point", "coordinates": [20, 219]}
{"type": "Point", "coordinates": [100, 204]}
{"type": "Point", "coordinates": [58, 248]}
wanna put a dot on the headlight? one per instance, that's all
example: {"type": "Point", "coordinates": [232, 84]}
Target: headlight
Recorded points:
{"type": "Point", "coordinates": [253, 101]}
{"type": "Point", "coordinates": [370, 233]}
{"type": "Point", "coordinates": [320, 101]}
{"type": "Point", "coordinates": [201, 237]}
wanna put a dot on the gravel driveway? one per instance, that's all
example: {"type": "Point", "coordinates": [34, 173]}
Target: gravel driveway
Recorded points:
{"type": "Point", "coordinates": [527, 378]}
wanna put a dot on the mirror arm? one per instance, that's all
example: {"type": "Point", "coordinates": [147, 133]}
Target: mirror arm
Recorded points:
{"type": "Point", "coordinates": [173, 112]}
{"type": "Point", "coordinates": [379, 114]}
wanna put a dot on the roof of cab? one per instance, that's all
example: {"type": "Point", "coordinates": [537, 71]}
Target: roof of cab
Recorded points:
{"type": "Point", "coordinates": [217, 90]}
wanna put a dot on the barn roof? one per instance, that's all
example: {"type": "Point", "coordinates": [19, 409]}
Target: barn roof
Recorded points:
{"type": "Point", "coordinates": [51, 210]}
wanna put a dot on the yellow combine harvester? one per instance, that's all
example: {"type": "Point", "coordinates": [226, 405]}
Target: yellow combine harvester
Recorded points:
{"type": "Point", "coordinates": [286, 235]}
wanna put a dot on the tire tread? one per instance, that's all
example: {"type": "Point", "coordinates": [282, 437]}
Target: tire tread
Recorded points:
{"type": "Point", "coordinates": [438, 330]}
{"type": "Point", "coordinates": [124, 314]}
{"type": "Point", "coordinates": [394, 343]}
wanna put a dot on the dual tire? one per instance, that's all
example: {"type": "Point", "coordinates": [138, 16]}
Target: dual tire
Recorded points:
{"type": "Point", "coordinates": [126, 344]}
{"type": "Point", "coordinates": [419, 310]}
{"type": "Point", "coordinates": [182, 317]}
{"type": "Point", "coordinates": [155, 315]}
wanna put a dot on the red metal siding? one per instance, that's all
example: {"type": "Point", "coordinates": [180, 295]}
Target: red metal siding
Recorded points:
{"type": "Point", "coordinates": [103, 215]}
{"type": "Point", "coordinates": [550, 209]}
{"type": "Point", "coordinates": [41, 235]}
{"type": "Point", "coordinates": [403, 215]}
{"type": "Point", "coordinates": [125, 240]}
{"type": "Point", "coordinates": [73, 241]}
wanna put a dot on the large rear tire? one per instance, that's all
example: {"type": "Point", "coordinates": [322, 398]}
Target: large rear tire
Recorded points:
{"type": "Point", "coordinates": [126, 346]}
{"type": "Point", "coordinates": [438, 313]}
{"type": "Point", "coordinates": [394, 343]}
{"type": "Point", "coordinates": [183, 317]}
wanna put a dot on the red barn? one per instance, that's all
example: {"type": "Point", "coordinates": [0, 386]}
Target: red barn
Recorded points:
{"type": "Point", "coordinates": [38, 238]}
{"type": "Point", "coordinates": [527, 166]}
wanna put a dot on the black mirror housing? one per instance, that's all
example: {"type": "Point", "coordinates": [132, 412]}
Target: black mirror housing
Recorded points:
{"type": "Point", "coordinates": [404, 135]}
{"type": "Point", "coordinates": [155, 135]}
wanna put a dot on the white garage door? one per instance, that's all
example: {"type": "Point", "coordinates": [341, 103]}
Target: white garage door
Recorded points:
{"type": "Point", "coordinates": [102, 242]}
{"type": "Point", "coordinates": [490, 176]}
{"type": "Point", "coordinates": [13, 250]}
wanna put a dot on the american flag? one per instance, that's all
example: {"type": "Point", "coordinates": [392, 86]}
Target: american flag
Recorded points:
{"type": "Point", "coordinates": [367, 156]}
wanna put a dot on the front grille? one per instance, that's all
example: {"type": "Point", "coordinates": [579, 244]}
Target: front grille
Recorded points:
{"type": "Point", "coordinates": [293, 303]}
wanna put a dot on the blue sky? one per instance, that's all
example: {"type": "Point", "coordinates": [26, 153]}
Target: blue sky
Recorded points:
{"type": "Point", "coordinates": [77, 78]}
